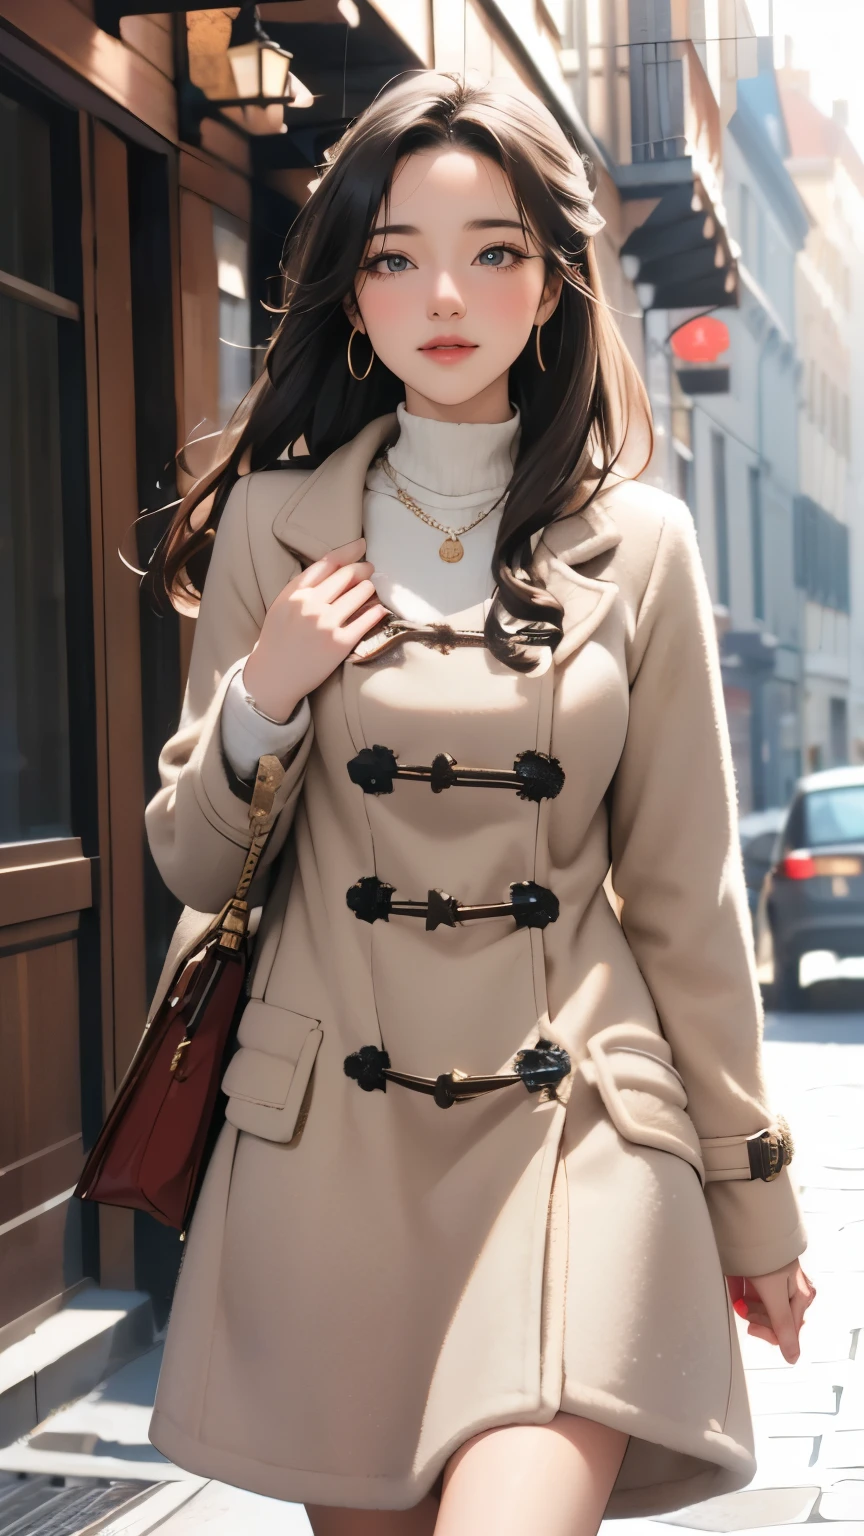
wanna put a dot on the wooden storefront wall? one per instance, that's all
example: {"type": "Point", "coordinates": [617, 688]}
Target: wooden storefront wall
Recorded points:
{"type": "Point", "coordinates": [84, 920]}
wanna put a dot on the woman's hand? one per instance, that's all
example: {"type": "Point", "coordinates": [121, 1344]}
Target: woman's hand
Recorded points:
{"type": "Point", "coordinates": [315, 622]}
{"type": "Point", "coordinates": [774, 1305]}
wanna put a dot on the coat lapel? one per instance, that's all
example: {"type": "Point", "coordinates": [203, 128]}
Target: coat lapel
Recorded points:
{"type": "Point", "coordinates": [326, 510]}
{"type": "Point", "coordinates": [566, 544]}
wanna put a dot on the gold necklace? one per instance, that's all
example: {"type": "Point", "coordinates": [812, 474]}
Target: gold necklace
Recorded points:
{"type": "Point", "coordinates": [452, 549]}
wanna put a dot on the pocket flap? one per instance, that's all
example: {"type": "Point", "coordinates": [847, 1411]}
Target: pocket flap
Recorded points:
{"type": "Point", "coordinates": [643, 1093]}
{"type": "Point", "coordinates": [267, 1079]}
{"type": "Point", "coordinates": [260, 1079]}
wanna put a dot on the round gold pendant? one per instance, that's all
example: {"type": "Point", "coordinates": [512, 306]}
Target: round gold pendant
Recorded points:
{"type": "Point", "coordinates": [451, 550]}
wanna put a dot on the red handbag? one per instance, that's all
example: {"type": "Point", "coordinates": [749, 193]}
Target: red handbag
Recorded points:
{"type": "Point", "coordinates": [153, 1149]}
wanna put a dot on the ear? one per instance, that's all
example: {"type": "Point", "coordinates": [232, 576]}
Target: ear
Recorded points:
{"type": "Point", "coordinates": [549, 302]}
{"type": "Point", "coordinates": [349, 304]}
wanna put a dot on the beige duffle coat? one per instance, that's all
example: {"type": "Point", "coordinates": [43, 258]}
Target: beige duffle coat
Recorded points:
{"type": "Point", "coordinates": [371, 1281]}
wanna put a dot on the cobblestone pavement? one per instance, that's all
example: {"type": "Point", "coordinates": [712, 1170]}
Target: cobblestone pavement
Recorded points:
{"type": "Point", "coordinates": [809, 1418]}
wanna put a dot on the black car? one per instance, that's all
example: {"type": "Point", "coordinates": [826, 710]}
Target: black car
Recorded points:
{"type": "Point", "coordinates": [812, 903]}
{"type": "Point", "coordinates": [758, 832]}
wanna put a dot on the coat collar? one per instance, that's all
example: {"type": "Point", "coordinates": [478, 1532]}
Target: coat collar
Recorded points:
{"type": "Point", "coordinates": [326, 510]}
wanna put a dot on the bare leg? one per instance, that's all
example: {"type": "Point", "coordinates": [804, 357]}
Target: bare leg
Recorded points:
{"type": "Point", "coordinates": [524, 1480]}
{"type": "Point", "coordinates": [419, 1521]}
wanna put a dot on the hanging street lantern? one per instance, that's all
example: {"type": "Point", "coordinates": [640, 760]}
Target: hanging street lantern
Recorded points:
{"type": "Point", "coordinates": [702, 340]}
{"type": "Point", "coordinates": [264, 83]}
{"type": "Point", "coordinates": [698, 347]}
{"type": "Point", "coordinates": [261, 69]}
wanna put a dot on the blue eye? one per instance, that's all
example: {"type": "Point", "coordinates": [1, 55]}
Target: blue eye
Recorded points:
{"type": "Point", "coordinates": [495, 253]}
{"type": "Point", "coordinates": [375, 266]}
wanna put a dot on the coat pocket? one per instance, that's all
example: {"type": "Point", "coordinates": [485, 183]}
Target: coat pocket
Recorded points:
{"type": "Point", "coordinates": [643, 1094]}
{"type": "Point", "coordinates": [268, 1077]}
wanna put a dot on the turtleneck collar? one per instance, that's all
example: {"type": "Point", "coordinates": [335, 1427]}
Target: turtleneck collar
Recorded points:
{"type": "Point", "coordinates": [455, 458]}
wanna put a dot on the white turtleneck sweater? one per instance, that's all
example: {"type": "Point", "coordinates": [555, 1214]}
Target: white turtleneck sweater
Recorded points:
{"type": "Point", "coordinates": [454, 472]}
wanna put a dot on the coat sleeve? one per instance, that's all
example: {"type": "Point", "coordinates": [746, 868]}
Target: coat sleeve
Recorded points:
{"type": "Point", "coordinates": [198, 822]}
{"type": "Point", "coordinates": [676, 866]}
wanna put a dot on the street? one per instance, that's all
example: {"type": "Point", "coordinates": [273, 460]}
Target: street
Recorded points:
{"type": "Point", "coordinates": [809, 1418]}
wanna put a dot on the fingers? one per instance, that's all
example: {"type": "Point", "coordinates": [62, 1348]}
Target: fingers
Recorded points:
{"type": "Point", "coordinates": [332, 587]}
{"type": "Point", "coordinates": [756, 1331]}
{"type": "Point", "coordinates": [802, 1297]}
{"type": "Point", "coordinates": [345, 607]}
{"type": "Point", "coordinates": [776, 1312]}
{"type": "Point", "coordinates": [352, 633]}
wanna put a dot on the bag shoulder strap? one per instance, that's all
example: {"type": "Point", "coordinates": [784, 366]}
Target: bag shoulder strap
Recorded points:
{"type": "Point", "coordinates": [234, 919]}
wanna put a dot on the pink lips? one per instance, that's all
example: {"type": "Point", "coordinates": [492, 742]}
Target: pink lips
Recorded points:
{"type": "Point", "coordinates": [448, 349]}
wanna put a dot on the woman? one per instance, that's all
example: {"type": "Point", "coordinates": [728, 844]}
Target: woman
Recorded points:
{"type": "Point", "coordinates": [505, 1316]}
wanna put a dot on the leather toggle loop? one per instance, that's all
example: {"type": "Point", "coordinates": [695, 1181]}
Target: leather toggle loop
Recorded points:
{"type": "Point", "coordinates": [539, 1068]}
{"type": "Point", "coordinates": [530, 905]}
{"type": "Point", "coordinates": [535, 776]}
{"type": "Point", "coordinates": [441, 637]}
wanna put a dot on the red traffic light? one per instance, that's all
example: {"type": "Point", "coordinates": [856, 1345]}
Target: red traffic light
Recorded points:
{"type": "Point", "coordinates": [701, 340]}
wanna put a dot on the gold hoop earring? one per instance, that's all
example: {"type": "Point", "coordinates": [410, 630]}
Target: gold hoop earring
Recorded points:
{"type": "Point", "coordinates": [539, 358]}
{"type": "Point", "coordinates": [358, 376]}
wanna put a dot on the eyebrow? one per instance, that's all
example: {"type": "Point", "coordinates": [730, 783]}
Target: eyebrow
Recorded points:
{"type": "Point", "coordinates": [411, 229]}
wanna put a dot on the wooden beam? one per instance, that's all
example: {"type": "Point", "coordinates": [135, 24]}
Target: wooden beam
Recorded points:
{"type": "Point", "coordinates": [227, 189]}
{"type": "Point", "coordinates": [66, 34]}
{"type": "Point", "coordinates": [116, 403]}
{"type": "Point", "coordinates": [39, 298]}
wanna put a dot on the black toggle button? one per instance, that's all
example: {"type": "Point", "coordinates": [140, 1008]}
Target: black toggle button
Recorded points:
{"type": "Point", "coordinates": [534, 906]}
{"type": "Point", "coordinates": [541, 777]}
{"type": "Point", "coordinates": [369, 899]}
{"type": "Point", "coordinates": [374, 769]}
{"type": "Point", "coordinates": [535, 776]}
{"type": "Point", "coordinates": [542, 1066]}
{"type": "Point", "coordinates": [530, 905]}
{"type": "Point", "coordinates": [367, 1066]}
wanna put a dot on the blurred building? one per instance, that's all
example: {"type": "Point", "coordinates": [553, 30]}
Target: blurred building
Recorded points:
{"type": "Point", "coordinates": [744, 422]}
{"type": "Point", "coordinates": [829, 543]}
{"type": "Point", "coordinates": [656, 86]}
{"type": "Point", "coordinates": [681, 97]}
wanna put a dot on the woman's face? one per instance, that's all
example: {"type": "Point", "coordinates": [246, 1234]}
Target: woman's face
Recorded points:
{"type": "Point", "coordinates": [451, 286]}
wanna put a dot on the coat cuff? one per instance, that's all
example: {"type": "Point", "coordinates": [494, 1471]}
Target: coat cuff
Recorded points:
{"type": "Point", "coordinates": [757, 1225]}
{"type": "Point", "coordinates": [216, 789]}
{"type": "Point", "coordinates": [247, 736]}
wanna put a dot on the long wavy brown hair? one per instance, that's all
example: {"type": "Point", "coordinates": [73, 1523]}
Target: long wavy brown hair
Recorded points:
{"type": "Point", "coordinates": [576, 418]}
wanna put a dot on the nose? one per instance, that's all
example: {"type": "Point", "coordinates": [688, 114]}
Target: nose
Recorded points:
{"type": "Point", "coordinates": [445, 300]}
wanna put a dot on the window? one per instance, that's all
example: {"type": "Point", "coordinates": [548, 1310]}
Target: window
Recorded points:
{"type": "Point", "coordinates": [759, 258]}
{"type": "Point", "coordinates": [35, 783]}
{"type": "Point", "coordinates": [821, 555]}
{"type": "Point", "coordinates": [756, 542]}
{"type": "Point", "coordinates": [721, 516]}
{"type": "Point", "coordinates": [834, 815]}
{"type": "Point", "coordinates": [838, 732]}
{"type": "Point", "coordinates": [744, 232]}
{"type": "Point", "coordinates": [231, 242]}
